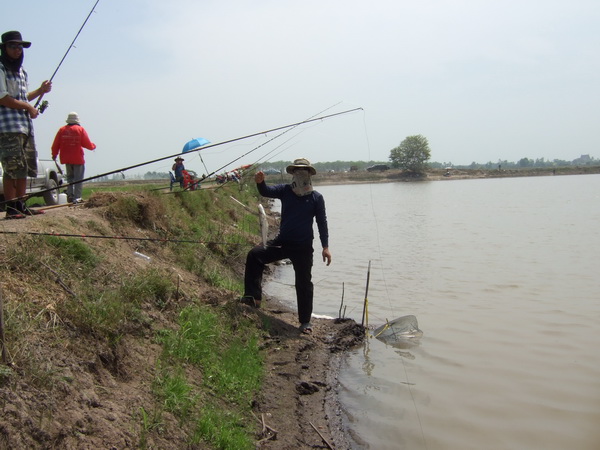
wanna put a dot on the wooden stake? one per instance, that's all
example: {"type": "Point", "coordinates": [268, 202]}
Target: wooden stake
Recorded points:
{"type": "Point", "coordinates": [366, 302]}
{"type": "Point", "coordinates": [341, 304]}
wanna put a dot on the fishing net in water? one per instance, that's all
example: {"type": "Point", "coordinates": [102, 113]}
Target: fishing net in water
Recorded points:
{"type": "Point", "coordinates": [402, 332]}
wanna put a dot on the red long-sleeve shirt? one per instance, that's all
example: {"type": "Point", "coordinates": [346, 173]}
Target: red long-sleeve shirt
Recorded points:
{"type": "Point", "coordinates": [70, 142]}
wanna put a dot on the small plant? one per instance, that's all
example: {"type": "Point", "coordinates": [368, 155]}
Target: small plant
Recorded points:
{"type": "Point", "coordinates": [102, 313]}
{"type": "Point", "coordinates": [149, 422]}
{"type": "Point", "coordinates": [222, 429]}
{"type": "Point", "coordinates": [5, 374]}
{"type": "Point", "coordinates": [238, 373]}
{"type": "Point", "coordinates": [150, 285]}
{"type": "Point", "coordinates": [197, 340]}
{"type": "Point", "coordinates": [73, 251]}
{"type": "Point", "coordinates": [176, 395]}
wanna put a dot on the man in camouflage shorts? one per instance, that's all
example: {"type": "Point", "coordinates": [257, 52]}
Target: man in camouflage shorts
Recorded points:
{"type": "Point", "coordinates": [17, 146]}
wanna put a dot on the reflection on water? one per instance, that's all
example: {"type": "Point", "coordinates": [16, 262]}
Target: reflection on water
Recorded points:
{"type": "Point", "coordinates": [502, 276]}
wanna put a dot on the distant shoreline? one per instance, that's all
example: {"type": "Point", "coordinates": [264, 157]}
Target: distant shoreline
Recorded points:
{"type": "Point", "coordinates": [396, 175]}
{"type": "Point", "coordinates": [389, 176]}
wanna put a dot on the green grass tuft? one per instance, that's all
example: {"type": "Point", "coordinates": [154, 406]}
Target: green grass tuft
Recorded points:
{"type": "Point", "coordinates": [222, 429]}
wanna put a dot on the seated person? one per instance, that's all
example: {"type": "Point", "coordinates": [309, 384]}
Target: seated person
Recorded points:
{"type": "Point", "coordinates": [178, 169]}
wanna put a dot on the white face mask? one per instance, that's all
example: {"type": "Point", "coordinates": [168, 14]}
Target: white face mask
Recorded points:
{"type": "Point", "coordinates": [301, 183]}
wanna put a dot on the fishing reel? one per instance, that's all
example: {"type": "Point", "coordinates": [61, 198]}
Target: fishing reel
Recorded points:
{"type": "Point", "coordinates": [43, 106]}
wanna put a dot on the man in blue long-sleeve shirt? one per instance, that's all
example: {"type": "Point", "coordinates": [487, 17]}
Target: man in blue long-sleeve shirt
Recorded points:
{"type": "Point", "coordinates": [300, 204]}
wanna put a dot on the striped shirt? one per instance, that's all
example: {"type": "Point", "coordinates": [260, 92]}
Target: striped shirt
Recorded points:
{"type": "Point", "coordinates": [15, 85]}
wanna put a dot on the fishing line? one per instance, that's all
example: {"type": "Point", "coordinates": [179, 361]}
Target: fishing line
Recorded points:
{"type": "Point", "coordinates": [408, 382]}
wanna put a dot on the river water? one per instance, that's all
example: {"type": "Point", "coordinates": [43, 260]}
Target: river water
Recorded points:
{"type": "Point", "coordinates": [503, 277]}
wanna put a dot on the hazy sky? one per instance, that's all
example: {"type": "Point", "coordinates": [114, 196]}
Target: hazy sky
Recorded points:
{"type": "Point", "coordinates": [481, 80]}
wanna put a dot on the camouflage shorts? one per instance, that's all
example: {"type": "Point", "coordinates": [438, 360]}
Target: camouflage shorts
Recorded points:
{"type": "Point", "coordinates": [18, 156]}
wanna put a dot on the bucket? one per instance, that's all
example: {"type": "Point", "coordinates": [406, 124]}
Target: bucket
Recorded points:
{"type": "Point", "coordinates": [62, 199]}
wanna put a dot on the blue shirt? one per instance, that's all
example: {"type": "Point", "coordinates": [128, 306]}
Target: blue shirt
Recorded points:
{"type": "Point", "coordinates": [15, 85]}
{"type": "Point", "coordinates": [297, 214]}
{"type": "Point", "coordinates": [178, 168]}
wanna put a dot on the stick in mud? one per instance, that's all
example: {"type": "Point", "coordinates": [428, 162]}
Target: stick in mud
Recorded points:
{"type": "Point", "coordinates": [366, 302]}
{"type": "Point", "coordinates": [322, 437]}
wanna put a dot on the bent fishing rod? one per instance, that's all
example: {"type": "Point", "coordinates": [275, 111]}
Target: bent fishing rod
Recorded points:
{"type": "Point", "coordinates": [254, 165]}
{"type": "Point", "coordinates": [289, 128]}
{"type": "Point", "coordinates": [41, 108]}
{"type": "Point", "coordinates": [178, 154]}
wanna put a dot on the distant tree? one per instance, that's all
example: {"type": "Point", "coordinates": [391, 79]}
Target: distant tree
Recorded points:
{"type": "Point", "coordinates": [525, 162]}
{"type": "Point", "coordinates": [412, 154]}
{"type": "Point", "coordinates": [156, 175]}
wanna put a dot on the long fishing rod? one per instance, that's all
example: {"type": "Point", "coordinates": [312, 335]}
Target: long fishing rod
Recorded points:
{"type": "Point", "coordinates": [255, 165]}
{"type": "Point", "coordinates": [286, 128]}
{"type": "Point", "coordinates": [44, 104]}
{"type": "Point", "coordinates": [290, 127]}
{"type": "Point", "coordinates": [121, 238]}
{"type": "Point", "coordinates": [178, 154]}
{"type": "Point", "coordinates": [252, 166]}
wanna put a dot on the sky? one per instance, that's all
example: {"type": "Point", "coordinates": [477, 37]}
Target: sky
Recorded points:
{"type": "Point", "coordinates": [481, 80]}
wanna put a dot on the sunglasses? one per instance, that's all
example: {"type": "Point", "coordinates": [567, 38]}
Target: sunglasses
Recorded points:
{"type": "Point", "coordinates": [14, 46]}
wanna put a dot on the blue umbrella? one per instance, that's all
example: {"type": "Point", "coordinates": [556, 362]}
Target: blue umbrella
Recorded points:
{"type": "Point", "coordinates": [194, 144]}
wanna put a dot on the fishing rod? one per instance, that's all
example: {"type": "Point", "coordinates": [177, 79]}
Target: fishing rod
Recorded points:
{"type": "Point", "coordinates": [255, 165]}
{"type": "Point", "coordinates": [202, 148]}
{"type": "Point", "coordinates": [286, 128]}
{"type": "Point", "coordinates": [44, 104]}
{"type": "Point", "coordinates": [122, 238]}
{"type": "Point", "coordinates": [291, 127]}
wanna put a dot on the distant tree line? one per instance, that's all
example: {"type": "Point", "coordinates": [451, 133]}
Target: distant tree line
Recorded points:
{"type": "Point", "coordinates": [412, 155]}
{"type": "Point", "coordinates": [523, 163]}
{"type": "Point", "coordinates": [336, 166]}
{"type": "Point", "coordinates": [156, 176]}
{"type": "Point", "coordinates": [344, 166]}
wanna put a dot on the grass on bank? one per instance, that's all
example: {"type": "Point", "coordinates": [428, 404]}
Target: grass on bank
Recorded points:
{"type": "Point", "coordinates": [211, 365]}
{"type": "Point", "coordinates": [231, 365]}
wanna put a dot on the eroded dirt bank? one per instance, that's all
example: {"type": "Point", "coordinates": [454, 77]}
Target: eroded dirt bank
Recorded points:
{"type": "Point", "coordinates": [84, 392]}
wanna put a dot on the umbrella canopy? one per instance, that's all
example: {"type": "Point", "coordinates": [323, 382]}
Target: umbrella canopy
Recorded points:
{"type": "Point", "coordinates": [194, 144]}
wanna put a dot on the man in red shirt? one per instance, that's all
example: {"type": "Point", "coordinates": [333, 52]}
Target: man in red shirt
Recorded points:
{"type": "Point", "coordinates": [69, 143]}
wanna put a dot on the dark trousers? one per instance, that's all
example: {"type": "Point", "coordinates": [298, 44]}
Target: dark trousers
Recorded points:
{"type": "Point", "coordinates": [302, 261]}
